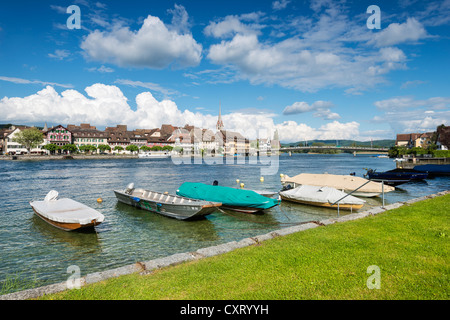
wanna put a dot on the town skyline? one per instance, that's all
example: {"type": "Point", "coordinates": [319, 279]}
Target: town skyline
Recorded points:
{"type": "Point", "coordinates": [311, 70]}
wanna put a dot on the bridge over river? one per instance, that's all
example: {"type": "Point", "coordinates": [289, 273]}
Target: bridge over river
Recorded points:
{"type": "Point", "coordinates": [351, 149]}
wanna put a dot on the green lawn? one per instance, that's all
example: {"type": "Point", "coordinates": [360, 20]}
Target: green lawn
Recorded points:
{"type": "Point", "coordinates": [410, 245]}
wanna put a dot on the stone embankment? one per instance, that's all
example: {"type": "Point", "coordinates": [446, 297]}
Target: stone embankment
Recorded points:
{"type": "Point", "coordinates": [68, 157]}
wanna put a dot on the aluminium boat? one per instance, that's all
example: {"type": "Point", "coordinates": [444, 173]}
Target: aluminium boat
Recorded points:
{"type": "Point", "coordinates": [173, 206]}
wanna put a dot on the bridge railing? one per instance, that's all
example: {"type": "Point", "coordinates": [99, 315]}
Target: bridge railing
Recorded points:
{"type": "Point", "coordinates": [334, 147]}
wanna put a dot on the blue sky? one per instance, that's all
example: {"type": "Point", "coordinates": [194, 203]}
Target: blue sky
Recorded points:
{"type": "Point", "coordinates": [309, 69]}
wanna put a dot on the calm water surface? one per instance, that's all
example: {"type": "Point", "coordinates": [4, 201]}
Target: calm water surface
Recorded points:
{"type": "Point", "coordinates": [29, 246]}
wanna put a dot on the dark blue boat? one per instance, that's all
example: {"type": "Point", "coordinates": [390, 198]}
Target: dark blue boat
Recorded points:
{"type": "Point", "coordinates": [396, 176]}
{"type": "Point", "coordinates": [434, 169]}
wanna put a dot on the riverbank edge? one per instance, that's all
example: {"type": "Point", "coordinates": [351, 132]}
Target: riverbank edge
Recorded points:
{"type": "Point", "coordinates": [67, 157]}
{"type": "Point", "coordinates": [151, 265]}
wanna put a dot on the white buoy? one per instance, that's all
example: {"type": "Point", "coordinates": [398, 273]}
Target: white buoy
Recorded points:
{"type": "Point", "coordinates": [242, 185]}
{"type": "Point", "coordinates": [261, 179]}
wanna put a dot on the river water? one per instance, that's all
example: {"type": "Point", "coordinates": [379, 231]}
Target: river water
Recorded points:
{"type": "Point", "coordinates": [29, 247]}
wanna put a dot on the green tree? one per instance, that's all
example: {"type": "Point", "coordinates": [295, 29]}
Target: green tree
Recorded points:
{"type": "Point", "coordinates": [167, 148]}
{"type": "Point", "coordinates": [417, 151]}
{"type": "Point", "coordinates": [104, 147]}
{"type": "Point", "coordinates": [88, 148]}
{"type": "Point", "coordinates": [51, 147]}
{"type": "Point", "coordinates": [145, 148]}
{"type": "Point", "coordinates": [397, 151]}
{"type": "Point", "coordinates": [156, 148]}
{"type": "Point", "coordinates": [70, 147]}
{"type": "Point", "coordinates": [29, 138]}
{"type": "Point", "coordinates": [132, 148]}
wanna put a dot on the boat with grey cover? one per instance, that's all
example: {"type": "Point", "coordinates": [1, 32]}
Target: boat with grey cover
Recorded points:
{"type": "Point", "coordinates": [66, 214]}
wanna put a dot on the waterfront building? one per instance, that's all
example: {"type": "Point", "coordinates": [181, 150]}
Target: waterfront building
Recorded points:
{"type": "Point", "coordinates": [85, 134]}
{"type": "Point", "coordinates": [117, 136]}
{"type": "Point", "coordinates": [3, 139]}
{"type": "Point", "coordinates": [443, 137]}
{"type": "Point", "coordinates": [411, 140]}
{"type": "Point", "coordinates": [59, 136]}
{"type": "Point", "coordinates": [157, 137]}
{"type": "Point", "coordinates": [263, 146]}
{"type": "Point", "coordinates": [138, 139]}
{"type": "Point", "coordinates": [233, 142]}
{"type": "Point", "coordinates": [14, 148]}
{"type": "Point", "coordinates": [182, 142]}
{"type": "Point", "coordinates": [204, 141]}
{"type": "Point", "coordinates": [219, 125]}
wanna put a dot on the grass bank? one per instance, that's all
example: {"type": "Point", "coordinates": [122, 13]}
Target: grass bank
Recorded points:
{"type": "Point", "coordinates": [409, 245]}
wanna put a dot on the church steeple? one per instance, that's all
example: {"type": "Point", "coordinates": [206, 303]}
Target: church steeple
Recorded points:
{"type": "Point", "coordinates": [219, 125]}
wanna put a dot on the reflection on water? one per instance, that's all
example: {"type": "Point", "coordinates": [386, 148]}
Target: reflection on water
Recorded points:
{"type": "Point", "coordinates": [87, 239]}
{"type": "Point", "coordinates": [30, 246]}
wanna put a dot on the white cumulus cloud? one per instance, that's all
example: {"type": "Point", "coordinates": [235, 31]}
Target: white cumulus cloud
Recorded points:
{"type": "Point", "coordinates": [106, 105]}
{"type": "Point", "coordinates": [396, 33]}
{"type": "Point", "coordinates": [152, 46]}
{"type": "Point", "coordinates": [321, 108]}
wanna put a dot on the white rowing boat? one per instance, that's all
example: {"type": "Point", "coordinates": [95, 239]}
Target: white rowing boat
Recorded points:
{"type": "Point", "coordinates": [66, 214]}
{"type": "Point", "coordinates": [345, 183]}
{"type": "Point", "coordinates": [322, 197]}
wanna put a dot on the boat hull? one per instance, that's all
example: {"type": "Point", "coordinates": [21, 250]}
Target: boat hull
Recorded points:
{"type": "Point", "coordinates": [242, 209]}
{"type": "Point", "coordinates": [342, 206]}
{"type": "Point", "coordinates": [396, 177]}
{"type": "Point", "coordinates": [171, 210]}
{"type": "Point", "coordinates": [362, 194]}
{"type": "Point", "coordinates": [434, 169]}
{"type": "Point", "coordinates": [67, 226]}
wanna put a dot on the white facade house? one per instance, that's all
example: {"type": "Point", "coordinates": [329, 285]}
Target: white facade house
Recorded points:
{"type": "Point", "coordinates": [204, 141]}
{"type": "Point", "coordinates": [182, 139]}
{"type": "Point", "coordinates": [12, 147]}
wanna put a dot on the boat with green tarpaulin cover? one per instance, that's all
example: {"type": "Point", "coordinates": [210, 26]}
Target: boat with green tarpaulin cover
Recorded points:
{"type": "Point", "coordinates": [247, 201]}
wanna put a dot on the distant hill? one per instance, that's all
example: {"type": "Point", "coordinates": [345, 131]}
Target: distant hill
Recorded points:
{"type": "Point", "coordinates": [344, 143]}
